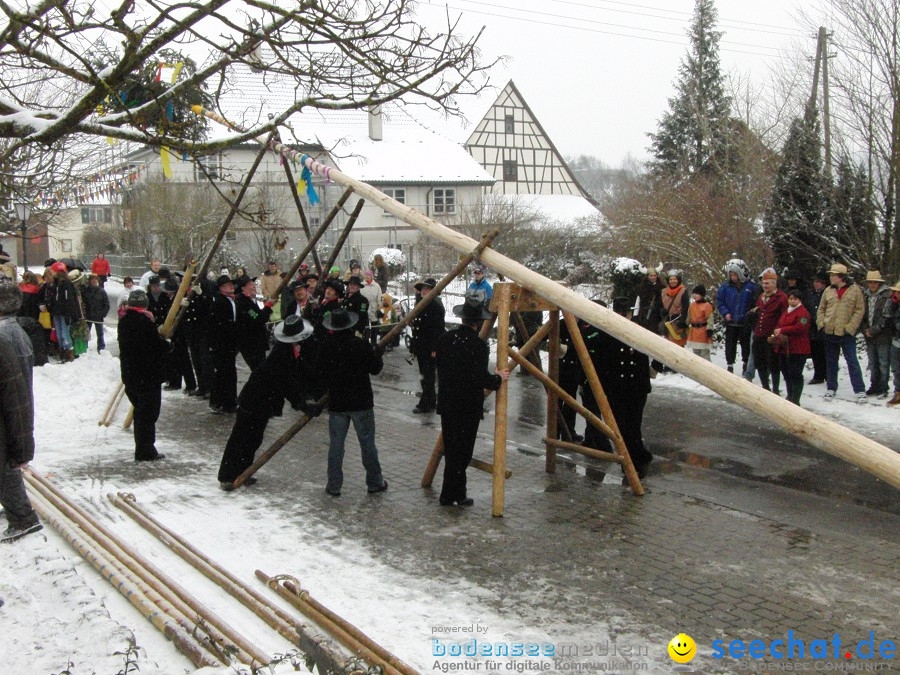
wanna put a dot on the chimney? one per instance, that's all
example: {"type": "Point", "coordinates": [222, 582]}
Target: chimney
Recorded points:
{"type": "Point", "coordinates": [375, 132]}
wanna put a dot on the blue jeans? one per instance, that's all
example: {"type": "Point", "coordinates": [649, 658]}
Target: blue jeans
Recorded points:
{"type": "Point", "coordinates": [834, 345]}
{"type": "Point", "coordinates": [879, 351]}
{"type": "Point", "coordinates": [63, 339]}
{"type": "Point", "coordinates": [364, 424]}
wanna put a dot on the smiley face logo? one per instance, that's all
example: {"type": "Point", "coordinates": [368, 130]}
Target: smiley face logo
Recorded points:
{"type": "Point", "coordinates": [682, 648]}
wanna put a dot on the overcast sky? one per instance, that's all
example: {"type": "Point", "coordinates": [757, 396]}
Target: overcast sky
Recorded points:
{"type": "Point", "coordinates": [598, 73]}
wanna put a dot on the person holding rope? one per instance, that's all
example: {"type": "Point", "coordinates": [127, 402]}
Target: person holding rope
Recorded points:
{"type": "Point", "coordinates": [286, 373]}
{"type": "Point", "coordinates": [462, 366]}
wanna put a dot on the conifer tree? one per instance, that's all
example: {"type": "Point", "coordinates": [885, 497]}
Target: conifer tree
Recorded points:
{"type": "Point", "coordinates": [853, 215]}
{"type": "Point", "coordinates": [796, 223]}
{"type": "Point", "coordinates": [694, 131]}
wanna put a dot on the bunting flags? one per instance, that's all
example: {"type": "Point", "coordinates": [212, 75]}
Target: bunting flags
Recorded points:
{"type": "Point", "coordinates": [98, 187]}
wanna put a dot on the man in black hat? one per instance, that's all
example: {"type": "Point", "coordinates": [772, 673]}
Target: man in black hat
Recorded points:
{"type": "Point", "coordinates": [427, 328]}
{"type": "Point", "coordinates": [297, 300]}
{"type": "Point", "coordinates": [344, 365]}
{"type": "Point", "coordinates": [286, 373]}
{"type": "Point", "coordinates": [158, 301]}
{"type": "Point", "coordinates": [196, 328]}
{"type": "Point", "coordinates": [624, 374]}
{"type": "Point", "coordinates": [332, 295]}
{"type": "Point", "coordinates": [462, 366]}
{"type": "Point", "coordinates": [252, 336]}
{"type": "Point", "coordinates": [223, 347]}
{"type": "Point", "coordinates": [357, 303]}
{"type": "Point", "coordinates": [143, 359]}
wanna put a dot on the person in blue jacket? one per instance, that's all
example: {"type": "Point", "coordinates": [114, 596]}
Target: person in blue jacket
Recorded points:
{"type": "Point", "coordinates": [735, 297]}
{"type": "Point", "coordinates": [480, 284]}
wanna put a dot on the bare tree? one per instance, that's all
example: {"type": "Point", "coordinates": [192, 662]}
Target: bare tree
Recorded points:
{"type": "Point", "coordinates": [98, 62]}
{"type": "Point", "coordinates": [865, 105]}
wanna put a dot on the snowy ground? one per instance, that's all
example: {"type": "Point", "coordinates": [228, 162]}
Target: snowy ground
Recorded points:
{"type": "Point", "coordinates": [61, 616]}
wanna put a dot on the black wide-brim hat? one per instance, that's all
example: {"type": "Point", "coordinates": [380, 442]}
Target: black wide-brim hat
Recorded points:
{"type": "Point", "coordinates": [472, 308]}
{"type": "Point", "coordinates": [242, 281]}
{"type": "Point", "coordinates": [340, 319]}
{"type": "Point", "coordinates": [431, 283]}
{"type": "Point", "coordinates": [293, 329]}
{"type": "Point", "coordinates": [222, 280]}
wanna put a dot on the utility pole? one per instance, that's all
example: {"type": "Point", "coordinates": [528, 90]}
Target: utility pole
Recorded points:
{"type": "Point", "coordinates": [811, 104]}
{"type": "Point", "coordinates": [826, 116]}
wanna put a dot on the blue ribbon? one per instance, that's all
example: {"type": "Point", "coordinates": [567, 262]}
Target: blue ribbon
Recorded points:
{"type": "Point", "coordinates": [306, 176]}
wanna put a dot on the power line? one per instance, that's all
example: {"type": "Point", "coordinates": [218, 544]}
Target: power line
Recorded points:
{"type": "Point", "coordinates": [681, 43]}
{"type": "Point", "coordinates": [603, 23]}
{"type": "Point", "coordinates": [673, 11]}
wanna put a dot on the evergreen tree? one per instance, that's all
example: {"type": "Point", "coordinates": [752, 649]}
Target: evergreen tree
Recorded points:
{"type": "Point", "coordinates": [853, 215]}
{"type": "Point", "coordinates": [797, 224]}
{"type": "Point", "coordinates": [693, 133]}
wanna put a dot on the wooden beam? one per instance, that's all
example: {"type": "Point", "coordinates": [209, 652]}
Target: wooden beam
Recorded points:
{"type": "Point", "coordinates": [575, 447]}
{"type": "Point", "coordinates": [501, 300]}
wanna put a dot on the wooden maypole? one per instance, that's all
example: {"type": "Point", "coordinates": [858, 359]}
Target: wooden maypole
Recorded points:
{"type": "Point", "coordinates": [818, 431]}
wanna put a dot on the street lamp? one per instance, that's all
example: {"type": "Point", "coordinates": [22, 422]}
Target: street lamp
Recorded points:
{"type": "Point", "coordinates": [23, 211]}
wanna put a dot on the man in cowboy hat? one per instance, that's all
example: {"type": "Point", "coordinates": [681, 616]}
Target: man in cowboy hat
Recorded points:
{"type": "Point", "coordinates": [223, 347]}
{"type": "Point", "coordinates": [286, 373]}
{"type": "Point", "coordinates": [839, 317]}
{"type": "Point", "coordinates": [462, 365]}
{"type": "Point", "coordinates": [876, 326]}
{"type": "Point", "coordinates": [427, 327]}
{"type": "Point", "coordinates": [895, 341]}
{"type": "Point", "coordinates": [344, 365]}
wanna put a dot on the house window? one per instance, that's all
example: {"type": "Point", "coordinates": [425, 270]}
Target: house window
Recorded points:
{"type": "Point", "coordinates": [398, 194]}
{"type": "Point", "coordinates": [65, 245]}
{"type": "Point", "coordinates": [211, 164]}
{"type": "Point", "coordinates": [96, 215]}
{"type": "Point", "coordinates": [510, 170]}
{"type": "Point", "coordinates": [508, 124]}
{"type": "Point", "coordinates": [444, 201]}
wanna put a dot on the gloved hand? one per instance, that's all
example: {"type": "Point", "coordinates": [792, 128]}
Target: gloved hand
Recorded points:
{"type": "Point", "coordinates": [198, 290]}
{"type": "Point", "coordinates": [268, 304]}
{"type": "Point", "coordinates": [563, 349]}
{"type": "Point", "coordinates": [185, 302]}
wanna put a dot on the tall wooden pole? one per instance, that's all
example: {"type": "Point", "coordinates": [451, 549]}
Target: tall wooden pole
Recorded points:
{"type": "Point", "coordinates": [552, 398]}
{"type": "Point", "coordinates": [816, 430]}
{"type": "Point", "coordinates": [502, 302]}
{"type": "Point", "coordinates": [826, 104]}
{"type": "Point", "coordinates": [351, 221]}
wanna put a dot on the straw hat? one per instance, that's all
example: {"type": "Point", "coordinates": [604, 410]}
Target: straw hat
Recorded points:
{"type": "Point", "coordinates": [896, 287]}
{"type": "Point", "coordinates": [837, 268]}
{"type": "Point", "coordinates": [874, 275]}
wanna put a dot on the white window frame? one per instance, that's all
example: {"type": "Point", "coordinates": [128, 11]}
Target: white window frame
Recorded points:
{"type": "Point", "coordinates": [398, 194]}
{"type": "Point", "coordinates": [213, 164]}
{"type": "Point", "coordinates": [443, 201]}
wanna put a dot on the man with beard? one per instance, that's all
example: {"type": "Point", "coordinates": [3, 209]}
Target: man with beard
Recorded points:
{"type": "Point", "coordinates": [427, 327]}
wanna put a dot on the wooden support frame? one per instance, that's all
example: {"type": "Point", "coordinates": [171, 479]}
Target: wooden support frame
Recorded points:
{"type": "Point", "coordinates": [501, 302]}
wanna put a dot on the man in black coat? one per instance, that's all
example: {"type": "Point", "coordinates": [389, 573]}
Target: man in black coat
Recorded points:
{"type": "Point", "coordinates": [357, 303]}
{"type": "Point", "coordinates": [16, 416]}
{"type": "Point", "coordinates": [462, 366]}
{"type": "Point", "coordinates": [252, 334]}
{"type": "Point", "coordinates": [96, 307]}
{"type": "Point", "coordinates": [427, 328]}
{"type": "Point", "coordinates": [344, 365]}
{"type": "Point", "coordinates": [571, 376]}
{"type": "Point", "coordinates": [317, 312]}
{"type": "Point", "coordinates": [624, 374]}
{"type": "Point", "coordinates": [287, 373]}
{"type": "Point", "coordinates": [143, 359]}
{"type": "Point", "coordinates": [158, 301]}
{"type": "Point", "coordinates": [222, 336]}
{"type": "Point", "coordinates": [196, 330]}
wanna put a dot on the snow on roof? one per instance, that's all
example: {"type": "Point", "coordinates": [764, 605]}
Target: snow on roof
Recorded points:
{"type": "Point", "coordinates": [555, 211]}
{"type": "Point", "coordinates": [408, 153]}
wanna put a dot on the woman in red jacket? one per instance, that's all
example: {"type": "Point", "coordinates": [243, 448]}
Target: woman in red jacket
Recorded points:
{"type": "Point", "coordinates": [793, 324]}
